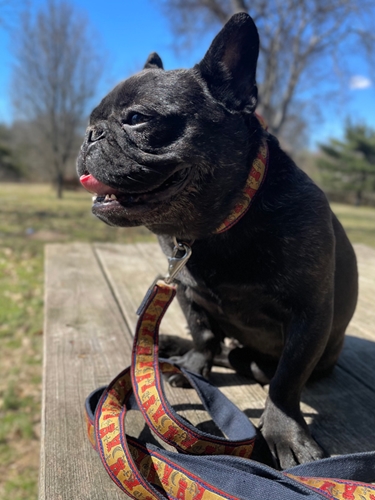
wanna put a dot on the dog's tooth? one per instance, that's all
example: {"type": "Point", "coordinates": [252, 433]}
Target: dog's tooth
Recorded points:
{"type": "Point", "coordinates": [110, 197]}
{"type": "Point", "coordinates": [94, 198]}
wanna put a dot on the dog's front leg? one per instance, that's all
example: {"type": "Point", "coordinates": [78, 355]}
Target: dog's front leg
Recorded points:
{"type": "Point", "coordinates": [282, 423]}
{"type": "Point", "coordinates": [206, 343]}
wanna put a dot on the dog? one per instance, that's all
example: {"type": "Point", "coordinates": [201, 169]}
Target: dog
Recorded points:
{"type": "Point", "coordinates": [172, 150]}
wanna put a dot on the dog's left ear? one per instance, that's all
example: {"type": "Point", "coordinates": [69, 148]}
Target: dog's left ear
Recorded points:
{"type": "Point", "coordinates": [153, 62]}
{"type": "Point", "coordinates": [229, 66]}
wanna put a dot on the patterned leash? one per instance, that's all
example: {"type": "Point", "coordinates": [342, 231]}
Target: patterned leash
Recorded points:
{"type": "Point", "coordinates": [207, 467]}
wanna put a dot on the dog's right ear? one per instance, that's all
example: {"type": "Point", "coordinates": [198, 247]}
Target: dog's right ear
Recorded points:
{"type": "Point", "coordinates": [153, 62]}
{"type": "Point", "coordinates": [229, 66]}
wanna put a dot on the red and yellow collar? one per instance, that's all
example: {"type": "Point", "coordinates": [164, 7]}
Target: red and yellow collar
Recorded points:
{"type": "Point", "coordinates": [254, 181]}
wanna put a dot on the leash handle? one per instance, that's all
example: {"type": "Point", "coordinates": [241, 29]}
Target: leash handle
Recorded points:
{"type": "Point", "coordinates": [147, 472]}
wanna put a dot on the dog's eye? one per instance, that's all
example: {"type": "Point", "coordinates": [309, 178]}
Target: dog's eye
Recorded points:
{"type": "Point", "coordinates": [136, 119]}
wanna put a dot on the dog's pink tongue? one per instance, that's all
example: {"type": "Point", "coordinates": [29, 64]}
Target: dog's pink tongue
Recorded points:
{"type": "Point", "coordinates": [94, 186]}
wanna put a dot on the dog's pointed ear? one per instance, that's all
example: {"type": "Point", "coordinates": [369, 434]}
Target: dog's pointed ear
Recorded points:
{"type": "Point", "coordinates": [229, 66]}
{"type": "Point", "coordinates": [153, 62]}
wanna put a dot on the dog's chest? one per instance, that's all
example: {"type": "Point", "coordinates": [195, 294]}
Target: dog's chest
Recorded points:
{"type": "Point", "coordinates": [244, 311]}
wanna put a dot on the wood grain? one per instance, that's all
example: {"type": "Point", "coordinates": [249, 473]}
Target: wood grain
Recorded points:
{"type": "Point", "coordinates": [91, 296]}
{"type": "Point", "coordinates": [86, 345]}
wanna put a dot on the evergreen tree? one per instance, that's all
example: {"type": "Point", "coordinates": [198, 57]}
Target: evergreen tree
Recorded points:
{"type": "Point", "coordinates": [10, 169]}
{"type": "Point", "coordinates": [349, 165]}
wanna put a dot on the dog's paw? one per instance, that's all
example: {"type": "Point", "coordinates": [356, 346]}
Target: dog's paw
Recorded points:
{"type": "Point", "coordinates": [177, 380]}
{"type": "Point", "coordinates": [193, 361]}
{"type": "Point", "coordinates": [288, 437]}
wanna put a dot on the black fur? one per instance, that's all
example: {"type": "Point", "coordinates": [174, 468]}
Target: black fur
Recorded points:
{"type": "Point", "coordinates": [176, 147]}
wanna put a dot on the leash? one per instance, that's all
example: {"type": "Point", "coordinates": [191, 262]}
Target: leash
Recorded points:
{"type": "Point", "coordinates": [207, 467]}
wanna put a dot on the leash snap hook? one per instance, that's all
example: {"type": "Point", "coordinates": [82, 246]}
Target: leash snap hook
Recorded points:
{"type": "Point", "coordinates": [180, 255]}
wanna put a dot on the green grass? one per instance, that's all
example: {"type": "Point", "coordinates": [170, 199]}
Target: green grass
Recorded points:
{"type": "Point", "coordinates": [359, 222]}
{"type": "Point", "coordinates": [31, 216]}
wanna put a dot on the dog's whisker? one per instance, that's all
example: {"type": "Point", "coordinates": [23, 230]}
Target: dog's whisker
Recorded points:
{"type": "Point", "coordinates": [151, 170]}
{"type": "Point", "coordinates": [141, 181]}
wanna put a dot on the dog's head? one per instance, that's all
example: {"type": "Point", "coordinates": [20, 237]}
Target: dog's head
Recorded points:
{"type": "Point", "coordinates": [171, 149]}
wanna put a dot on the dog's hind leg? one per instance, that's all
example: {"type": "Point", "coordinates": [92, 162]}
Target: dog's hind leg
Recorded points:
{"type": "Point", "coordinates": [172, 345]}
{"type": "Point", "coordinates": [250, 363]}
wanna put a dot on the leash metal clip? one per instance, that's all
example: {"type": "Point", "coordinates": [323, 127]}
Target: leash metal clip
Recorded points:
{"type": "Point", "coordinates": [180, 255]}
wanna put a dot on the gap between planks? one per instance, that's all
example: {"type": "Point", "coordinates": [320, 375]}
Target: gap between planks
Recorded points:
{"type": "Point", "coordinates": [91, 295]}
{"type": "Point", "coordinates": [131, 269]}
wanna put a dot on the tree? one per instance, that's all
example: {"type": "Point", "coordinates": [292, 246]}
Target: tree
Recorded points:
{"type": "Point", "coordinates": [350, 164]}
{"type": "Point", "coordinates": [300, 42]}
{"type": "Point", "coordinates": [55, 76]}
{"type": "Point", "coordinates": [10, 168]}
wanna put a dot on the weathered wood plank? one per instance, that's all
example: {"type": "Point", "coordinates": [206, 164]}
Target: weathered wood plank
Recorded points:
{"type": "Point", "coordinates": [344, 407]}
{"type": "Point", "coordinates": [92, 293]}
{"type": "Point", "coordinates": [130, 270]}
{"type": "Point", "coordinates": [325, 401]}
{"type": "Point", "coordinates": [358, 356]}
{"type": "Point", "coordinates": [247, 394]}
{"type": "Point", "coordinates": [86, 344]}
{"type": "Point", "coordinates": [150, 261]}
{"type": "Point", "coordinates": [363, 322]}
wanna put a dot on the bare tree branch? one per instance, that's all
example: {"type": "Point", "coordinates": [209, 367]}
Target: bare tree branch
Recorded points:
{"type": "Point", "coordinates": [55, 76]}
{"type": "Point", "coordinates": [298, 39]}
{"type": "Point", "coordinates": [238, 6]}
{"type": "Point", "coordinates": [217, 9]}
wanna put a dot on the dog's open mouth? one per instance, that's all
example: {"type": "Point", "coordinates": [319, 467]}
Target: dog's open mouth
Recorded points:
{"type": "Point", "coordinates": [106, 196]}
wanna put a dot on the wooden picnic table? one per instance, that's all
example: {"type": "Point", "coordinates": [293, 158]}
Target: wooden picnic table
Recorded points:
{"type": "Point", "coordinates": [91, 294]}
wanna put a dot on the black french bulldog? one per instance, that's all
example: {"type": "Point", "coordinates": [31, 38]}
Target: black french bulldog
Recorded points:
{"type": "Point", "coordinates": [171, 150]}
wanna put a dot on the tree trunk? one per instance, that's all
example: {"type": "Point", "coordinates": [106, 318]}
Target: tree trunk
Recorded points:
{"type": "Point", "coordinates": [60, 185]}
{"type": "Point", "coordinates": [358, 200]}
{"type": "Point", "coordinates": [51, 54]}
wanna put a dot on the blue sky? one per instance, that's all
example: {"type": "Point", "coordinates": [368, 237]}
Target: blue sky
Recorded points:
{"type": "Point", "coordinates": [130, 30]}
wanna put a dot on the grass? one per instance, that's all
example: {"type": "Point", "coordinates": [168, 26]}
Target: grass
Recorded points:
{"type": "Point", "coordinates": [359, 222]}
{"type": "Point", "coordinates": [31, 216]}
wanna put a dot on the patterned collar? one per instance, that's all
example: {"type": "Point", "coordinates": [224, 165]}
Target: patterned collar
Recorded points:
{"type": "Point", "coordinates": [254, 181]}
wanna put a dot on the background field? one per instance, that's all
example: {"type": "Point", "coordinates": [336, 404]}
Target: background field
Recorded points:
{"type": "Point", "coordinates": [31, 216]}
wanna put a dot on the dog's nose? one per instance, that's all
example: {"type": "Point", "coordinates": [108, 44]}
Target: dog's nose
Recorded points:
{"type": "Point", "coordinates": [95, 134]}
